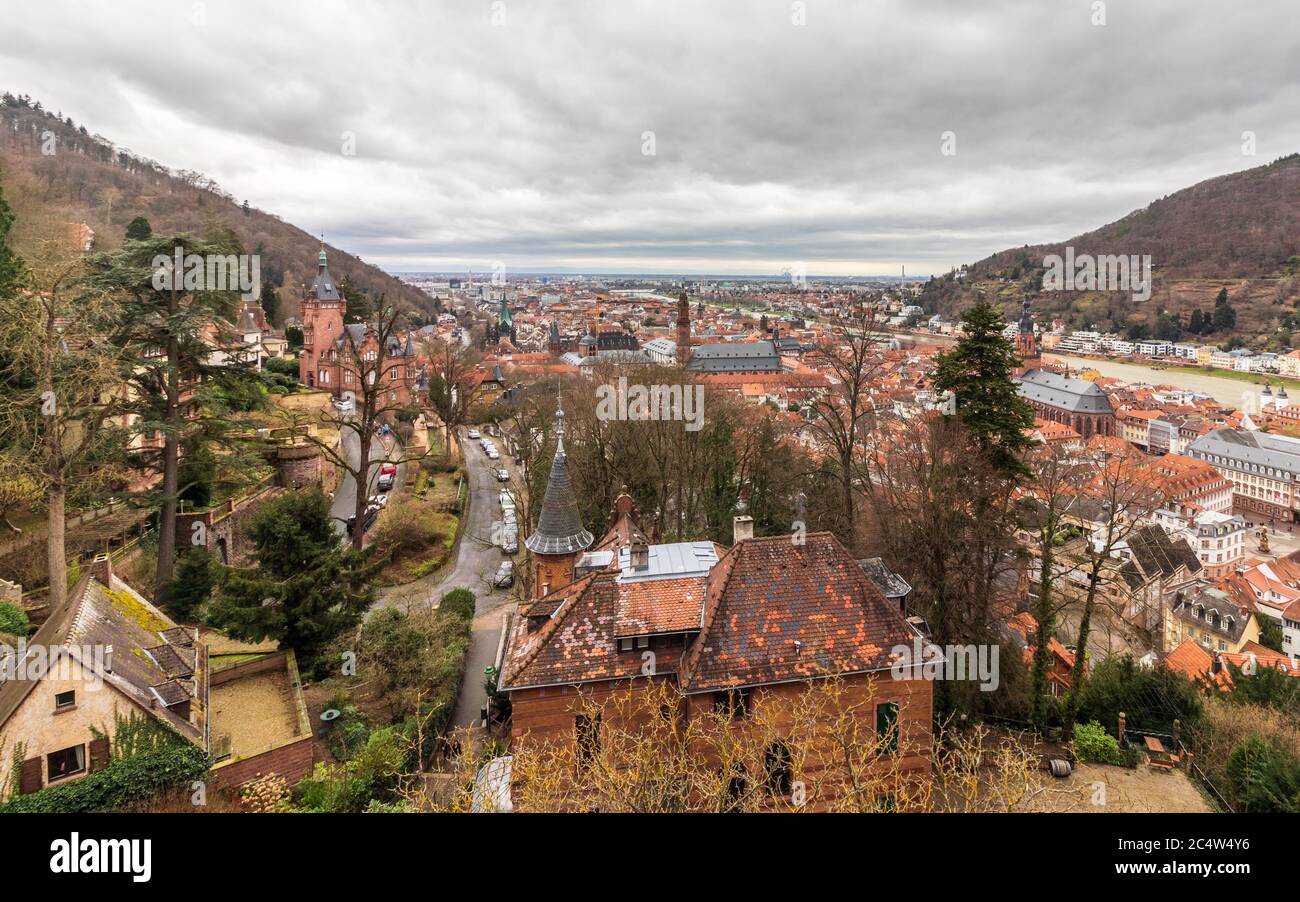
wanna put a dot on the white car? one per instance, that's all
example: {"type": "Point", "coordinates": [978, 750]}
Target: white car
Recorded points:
{"type": "Point", "coordinates": [493, 455]}
{"type": "Point", "coordinates": [380, 501]}
{"type": "Point", "coordinates": [510, 541]}
{"type": "Point", "coordinates": [507, 501]}
{"type": "Point", "coordinates": [473, 433]}
{"type": "Point", "coordinates": [503, 475]}
{"type": "Point", "coordinates": [505, 575]}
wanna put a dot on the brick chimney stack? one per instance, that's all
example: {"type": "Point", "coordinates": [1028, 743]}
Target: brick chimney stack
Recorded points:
{"type": "Point", "coordinates": [102, 569]}
{"type": "Point", "coordinates": [742, 528]}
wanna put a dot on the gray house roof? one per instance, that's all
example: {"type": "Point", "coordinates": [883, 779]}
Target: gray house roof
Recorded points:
{"type": "Point", "coordinates": [1253, 452]}
{"type": "Point", "coordinates": [661, 346]}
{"type": "Point", "coordinates": [1074, 395]}
{"type": "Point", "coordinates": [890, 584]}
{"type": "Point", "coordinates": [735, 357]}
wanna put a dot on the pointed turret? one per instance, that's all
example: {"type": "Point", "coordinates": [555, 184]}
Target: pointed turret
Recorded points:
{"type": "Point", "coordinates": [559, 536]}
{"type": "Point", "coordinates": [324, 289]}
{"type": "Point", "coordinates": [559, 529]}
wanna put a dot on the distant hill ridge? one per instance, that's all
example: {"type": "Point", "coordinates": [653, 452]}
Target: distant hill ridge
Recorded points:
{"type": "Point", "coordinates": [106, 186]}
{"type": "Point", "coordinates": [1239, 231]}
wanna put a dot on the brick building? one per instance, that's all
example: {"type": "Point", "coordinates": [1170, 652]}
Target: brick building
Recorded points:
{"type": "Point", "coordinates": [735, 629]}
{"type": "Point", "coordinates": [336, 356]}
{"type": "Point", "coordinates": [1077, 403]}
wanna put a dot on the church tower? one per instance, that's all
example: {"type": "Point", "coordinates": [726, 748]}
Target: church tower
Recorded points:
{"type": "Point", "coordinates": [1027, 342]}
{"type": "Point", "coordinates": [559, 537]}
{"type": "Point", "coordinates": [683, 330]}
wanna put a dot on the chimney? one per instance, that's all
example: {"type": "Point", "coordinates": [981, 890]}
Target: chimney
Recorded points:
{"type": "Point", "coordinates": [623, 504]}
{"type": "Point", "coordinates": [639, 556]}
{"type": "Point", "coordinates": [742, 529]}
{"type": "Point", "coordinates": [102, 569]}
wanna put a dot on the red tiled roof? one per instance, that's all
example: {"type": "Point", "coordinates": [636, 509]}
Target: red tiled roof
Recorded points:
{"type": "Point", "coordinates": [1191, 660]}
{"type": "Point", "coordinates": [768, 594]}
{"type": "Point", "coordinates": [660, 606]}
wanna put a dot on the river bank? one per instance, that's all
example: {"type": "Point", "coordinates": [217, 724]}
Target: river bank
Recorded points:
{"type": "Point", "coordinates": [1225, 386]}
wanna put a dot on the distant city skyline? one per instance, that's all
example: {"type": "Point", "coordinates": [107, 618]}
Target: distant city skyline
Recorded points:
{"type": "Point", "coordinates": [675, 137]}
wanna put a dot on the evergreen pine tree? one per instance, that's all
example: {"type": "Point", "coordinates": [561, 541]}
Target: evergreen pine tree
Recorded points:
{"type": "Point", "coordinates": [139, 229]}
{"type": "Point", "coordinates": [305, 588]}
{"type": "Point", "coordinates": [978, 371]}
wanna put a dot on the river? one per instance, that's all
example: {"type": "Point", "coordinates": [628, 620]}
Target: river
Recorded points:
{"type": "Point", "coordinates": [1225, 391]}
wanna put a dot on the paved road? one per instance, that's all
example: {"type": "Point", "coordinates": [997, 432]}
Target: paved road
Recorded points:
{"type": "Point", "coordinates": [344, 504]}
{"type": "Point", "coordinates": [476, 562]}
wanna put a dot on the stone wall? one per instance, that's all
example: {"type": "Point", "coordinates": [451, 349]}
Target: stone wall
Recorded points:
{"type": "Point", "coordinates": [223, 527]}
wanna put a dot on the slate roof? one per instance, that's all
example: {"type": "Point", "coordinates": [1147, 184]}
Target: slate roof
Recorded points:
{"type": "Point", "coordinates": [1158, 554]}
{"type": "Point", "coordinates": [323, 288]}
{"type": "Point", "coordinates": [1249, 451]}
{"type": "Point", "coordinates": [99, 616]}
{"type": "Point", "coordinates": [779, 612]}
{"type": "Point", "coordinates": [1074, 395]}
{"type": "Point", "coordinates": [890, 584]}
{"type": "Point", "coordinates": [732, 357]}
{"type": "Point", "coordinates": [559, 528]}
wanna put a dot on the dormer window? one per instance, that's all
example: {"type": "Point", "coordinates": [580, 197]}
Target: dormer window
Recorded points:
{"type": "Point", "coordinates": [632, 643]}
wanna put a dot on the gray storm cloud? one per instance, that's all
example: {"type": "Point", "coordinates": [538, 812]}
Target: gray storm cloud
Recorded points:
{"type": "Point", "coordinates": [513, 131]}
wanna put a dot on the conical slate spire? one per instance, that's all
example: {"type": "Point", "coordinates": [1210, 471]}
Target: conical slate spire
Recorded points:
{"type": "Point", "coordinates": [559, 529]}
{"type": "Point", "coordinates": [324, 289]}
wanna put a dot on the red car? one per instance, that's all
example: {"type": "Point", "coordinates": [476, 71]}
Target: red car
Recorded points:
{"type": "Point", "coordinates": [387, 476]}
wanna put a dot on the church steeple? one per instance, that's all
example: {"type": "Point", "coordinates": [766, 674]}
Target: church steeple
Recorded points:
{"type": "Point", "coordinates": [683, 330]}
{"type": "Point", "coordinates": [1026, 340]}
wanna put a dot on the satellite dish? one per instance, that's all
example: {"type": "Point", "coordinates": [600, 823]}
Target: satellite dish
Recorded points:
{"type": "Point", "coordinates": [329, 714]}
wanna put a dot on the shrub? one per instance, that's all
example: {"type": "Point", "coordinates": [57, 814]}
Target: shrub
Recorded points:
{"type": "Point", "coordinates": [1263, 776]}
{"type": "Point", "coordinates": [348, 733]}
{"type": "Point", "coordinates": [282, 366]}
{"type": "Point", "coordinates": [458, 601]}
{"type": "Point", "coordinates": [1093, 743]}
{"type": "Point", "coordinates": [123, 783]}
{"type": "Point", "coordinates": [371, 775]}
{"type": "Point", "coordinates": [1151, 699]}
{"type": "Point", "coordinates": [13, 620]}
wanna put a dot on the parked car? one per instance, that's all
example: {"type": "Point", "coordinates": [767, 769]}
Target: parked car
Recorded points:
{"type": "Point", "coordinates": [493, 455]}
{"type": "Point", "coordinates": [387, 476]}
{"type": "Point", "coordinates": [503, 475]}
{"type": "Point", "coordinates": [505, 576]}
{"type": "Point", "coordinates": [368, 519]}
{"type": "Point", "coordinates": [473, 433]}
{"type": "Point", "coordinates": [510, 540]}
{"type": "Point", "coordinates": [380, 501]}
{"type": "Point", "coordinates": [507, 501]}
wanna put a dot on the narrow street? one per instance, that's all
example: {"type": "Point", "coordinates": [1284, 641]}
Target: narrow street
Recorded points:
{"type": "Point", "coordinates": [344, 503]}
{"type": "Point", "coordinates": [476, 562]}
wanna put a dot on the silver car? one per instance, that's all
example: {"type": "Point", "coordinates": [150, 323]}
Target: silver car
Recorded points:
{"type": "Point", "coordinates": [505, 575]}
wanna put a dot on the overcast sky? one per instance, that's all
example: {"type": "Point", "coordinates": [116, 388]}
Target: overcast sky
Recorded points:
{"type": "Point", "coordinates": [516, 131]}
